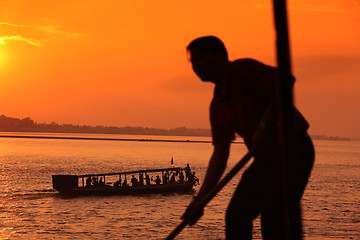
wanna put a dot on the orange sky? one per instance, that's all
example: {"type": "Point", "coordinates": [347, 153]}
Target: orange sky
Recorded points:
{"type": "Point", "coordinates": [123, 63]}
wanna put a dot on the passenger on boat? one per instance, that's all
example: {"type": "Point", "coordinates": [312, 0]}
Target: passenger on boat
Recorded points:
{"type": "Point", "coordinates": [187, 171]}
{"type": "Point", "coordinates": [172, 179]}
{"type": "Point", "coordinates": [125, 184]}
{"type": "Point", "coordinates": [88, 182]}
{"type": "Point", "coordinates": [165, 178]}
{"type": "Point", "coordinates": [181, 177]}
{"type": "Point", "coordinates": [101, 181]}
{"type": "Point", "coordinates": [193, 178]}
{"type": "Point", "coordinates": [94, 181]}
{"type": "Point", "coordinates": [134, 181]}
{"type": "Point", "coordinates": [141, 179]}
{"type": "Point", "coordinates": [117, 183]}
{"type": "Point", "coordinates": [158, 180]}
{"type": "Point", "coordinates": [147, 179]}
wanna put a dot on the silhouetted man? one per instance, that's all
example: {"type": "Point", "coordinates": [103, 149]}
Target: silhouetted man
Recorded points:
{"type": "Point", "coordinates": [243, 103]}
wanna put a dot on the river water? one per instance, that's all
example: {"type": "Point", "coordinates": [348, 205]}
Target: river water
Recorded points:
{"type": "Point", "coordinates": [30, 209]}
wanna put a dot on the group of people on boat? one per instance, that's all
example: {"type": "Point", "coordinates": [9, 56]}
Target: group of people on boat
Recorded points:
{"type": "Point", "coordinates": [93, 181]}
{"type": "Point", "coordinates": [167, 178]}
{"type": "Point", "coordinates": [174, 176]}
{"type": "Point", "coordinates": [177, 177]}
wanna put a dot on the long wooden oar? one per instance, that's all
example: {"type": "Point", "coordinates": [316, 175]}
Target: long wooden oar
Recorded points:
{"type": "Point", "coordinates": [207, 198]}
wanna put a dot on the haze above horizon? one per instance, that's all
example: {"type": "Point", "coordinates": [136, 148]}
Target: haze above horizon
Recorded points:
{"type": "Point", "coordinates": [124, 63]}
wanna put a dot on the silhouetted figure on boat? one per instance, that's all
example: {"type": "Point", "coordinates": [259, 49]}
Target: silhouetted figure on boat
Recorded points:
{"type": "Point", "coordinates": [141, 179]}
{"type": "Point", "coordinates": [244, 103]}
{"type": "Point", "coordinates": [117, 183]}
{"type": "Point", "coordinates": [88, 182]}
{"type": "Point", "coordinates": [158, 180]}
{"type": "Point", "coordinates": [125, 183]}
{"type": "Point", "coordinates": [147, 179]}
{"type": "Point", "coordinates": [187, 172]}
{"type": "Point", "coordinates": [172, 178]}
{"type": "Point", "coordinates": [165, 178]}
{"type": "Point", "coordinates": [101, 181]}
{"type": "Point", "coordinates": [134, 181]}
{"type": "Point", "coordinates": [181, 177]}
{"type": "Point", "coordinates": [94, 181]}
{"type": "Point", "coordinates": [193, 179]}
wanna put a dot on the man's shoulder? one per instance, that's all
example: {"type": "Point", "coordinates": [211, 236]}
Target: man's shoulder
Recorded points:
{"type": "Point", "coordinates": [249, 62]}
{"type": "Point", "coordinates": [251, 68]}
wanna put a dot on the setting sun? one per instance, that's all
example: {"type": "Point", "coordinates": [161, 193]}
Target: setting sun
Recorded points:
{"type": "Point", "coordinates": [3, 57]}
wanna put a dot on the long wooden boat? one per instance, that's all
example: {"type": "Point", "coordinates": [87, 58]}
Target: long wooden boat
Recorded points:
{"type": "Point", "coordinates": [102, 184]}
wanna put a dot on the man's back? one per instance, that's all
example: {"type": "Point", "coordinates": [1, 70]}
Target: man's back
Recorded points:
{"type": "Point", "coordinates": [240, 103]}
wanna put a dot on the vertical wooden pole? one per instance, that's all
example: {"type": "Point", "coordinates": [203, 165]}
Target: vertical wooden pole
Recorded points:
{"type": "Point", "coordinates": [284, 96]}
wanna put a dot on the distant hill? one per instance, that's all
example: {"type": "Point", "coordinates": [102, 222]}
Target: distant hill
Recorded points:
{"type": "Point", "coordinates": [9, 124]}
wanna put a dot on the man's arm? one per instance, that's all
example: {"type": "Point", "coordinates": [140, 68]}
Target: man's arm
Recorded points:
{"type": "Point", "coordinates": [214, 172]}
{"type": "Point", "coordinates": [216, 167]}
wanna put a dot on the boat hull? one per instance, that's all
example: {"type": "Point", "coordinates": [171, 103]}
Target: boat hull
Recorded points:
{"type": "Point", "coordinates": [146, 189]}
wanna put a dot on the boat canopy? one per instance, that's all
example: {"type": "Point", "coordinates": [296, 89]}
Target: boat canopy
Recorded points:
{"type": "Point", "coordinates": [133, 172]}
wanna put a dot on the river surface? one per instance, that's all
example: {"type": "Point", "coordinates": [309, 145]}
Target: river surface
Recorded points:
{"type": "Point", "coordinates": [30, 209]}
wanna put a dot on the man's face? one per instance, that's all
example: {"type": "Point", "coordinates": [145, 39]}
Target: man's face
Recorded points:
{"type": "Point", "coordinates": [208, 66]}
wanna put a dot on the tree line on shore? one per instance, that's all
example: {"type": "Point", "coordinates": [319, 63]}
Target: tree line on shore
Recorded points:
{"type": "Point", "coordinates": [9, 124]}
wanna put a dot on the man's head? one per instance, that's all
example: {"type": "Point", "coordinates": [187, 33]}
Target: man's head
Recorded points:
{"type": "Point", "coordinates": [209, 58]}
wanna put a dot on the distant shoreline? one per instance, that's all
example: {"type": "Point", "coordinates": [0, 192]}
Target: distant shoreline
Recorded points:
{"type": "Point", "coordinates": [315, 137]}
{"type": "Point", "coordinates": [26, 125]}
{"type": "Point", "coordinates": [110, 139]}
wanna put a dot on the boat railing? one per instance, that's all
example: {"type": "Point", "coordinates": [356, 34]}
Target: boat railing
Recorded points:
{"type": "Point", "coordinates": [133, 172]}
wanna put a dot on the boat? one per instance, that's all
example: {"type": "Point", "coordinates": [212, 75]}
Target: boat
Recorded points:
{"type": "Point", "coordinates": [167, 180]}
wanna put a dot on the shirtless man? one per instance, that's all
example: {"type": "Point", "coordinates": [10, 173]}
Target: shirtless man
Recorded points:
{"type": "Point", "coordinates": [244, 100]}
